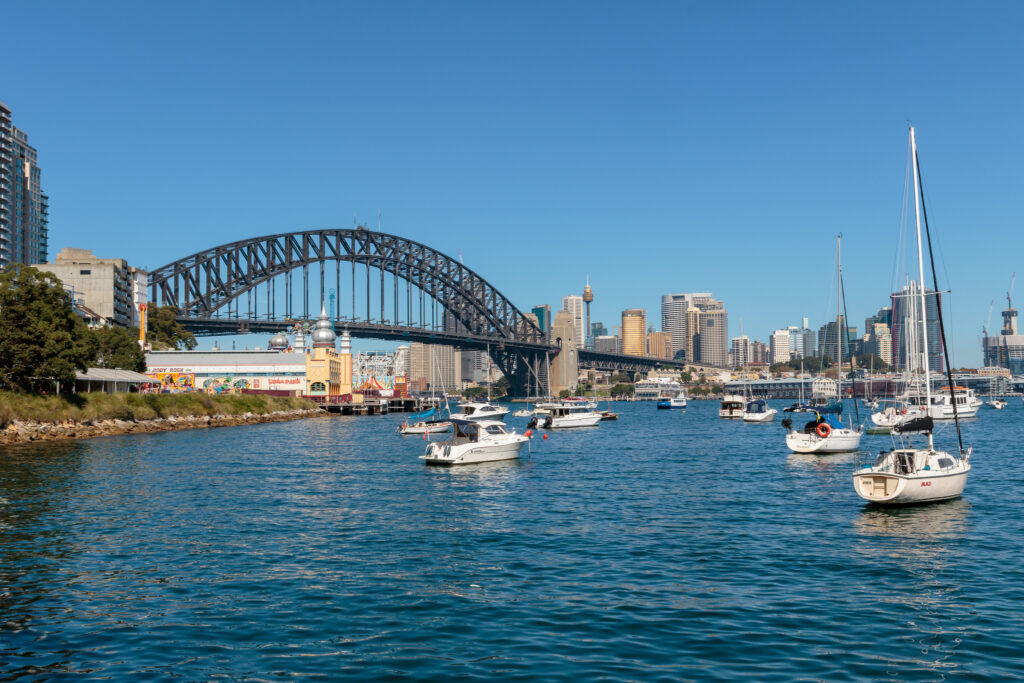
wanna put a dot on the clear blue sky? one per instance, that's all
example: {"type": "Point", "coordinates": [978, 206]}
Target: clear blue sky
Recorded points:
{"type": "Point", "coordinates": [661, 147]}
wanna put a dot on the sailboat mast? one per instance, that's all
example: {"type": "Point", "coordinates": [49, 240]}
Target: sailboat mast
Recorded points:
{"type": "Point", "coordinates": [839, 316]}
{"type": "Point", "coordinates": [920, 272]}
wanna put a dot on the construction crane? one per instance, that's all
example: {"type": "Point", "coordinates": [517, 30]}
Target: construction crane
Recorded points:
{"type": "Point", "coordinates": [1009, 294]}
{"type": "Point", "coordinates": [988, 320]}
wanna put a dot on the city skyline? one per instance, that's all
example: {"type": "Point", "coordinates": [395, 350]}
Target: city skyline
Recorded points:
{"type": "Point", "coordinates": [389, 124]}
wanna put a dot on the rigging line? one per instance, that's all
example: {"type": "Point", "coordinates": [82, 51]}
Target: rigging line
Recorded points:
{"type": "Point", "coordinates": [846, 338]}
{"type": "Point", "coordinates": [942, 329]}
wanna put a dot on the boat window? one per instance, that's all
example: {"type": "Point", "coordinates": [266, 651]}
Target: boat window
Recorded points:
{"type": "Point", "coordinates": [945, 463]}
{"type": "Point", "coordinates": [495, 429]}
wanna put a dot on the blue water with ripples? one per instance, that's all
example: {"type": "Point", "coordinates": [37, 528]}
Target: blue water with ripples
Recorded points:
{"type": "Point", "coordinates": [666, 546]}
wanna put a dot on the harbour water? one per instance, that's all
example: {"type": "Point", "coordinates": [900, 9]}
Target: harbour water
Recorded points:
{"type": "Point", "coordinates": [668, 546]}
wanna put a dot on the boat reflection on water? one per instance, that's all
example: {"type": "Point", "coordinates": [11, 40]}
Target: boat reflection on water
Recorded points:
{"type": "Point", "coordinates": [927, 523]}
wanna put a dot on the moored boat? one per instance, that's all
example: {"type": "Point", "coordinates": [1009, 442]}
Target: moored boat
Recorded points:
{"type": "Point", "coordinates": [731, 407]}
{"type": "Point", "coordinates": [904, 474]}
{"type": "Point", "coordinates": [475, 442]}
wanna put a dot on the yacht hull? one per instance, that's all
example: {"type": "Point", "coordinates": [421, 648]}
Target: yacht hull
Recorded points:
{"type": "Point", "coordinates": [469, 454]}
{"type": "Point", "coordinates": [888, 488]}
{"type": "Point", "coordinates": [568, 421]}
{"type": "Point", "coordinates": [838, 441]}
{"type": "Point", "coordinates": [767, 416]}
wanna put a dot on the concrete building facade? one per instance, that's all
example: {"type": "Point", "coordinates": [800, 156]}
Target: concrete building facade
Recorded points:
{"type": "Point", "coordinates": [110, 287]}
{"type": "Point", "coordinates": [779, 343]}
{"type": "Point", "coordinates": [565, 367]}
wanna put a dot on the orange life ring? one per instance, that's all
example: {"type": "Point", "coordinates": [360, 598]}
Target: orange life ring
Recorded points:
{"type": "Point", "coordinates": [823, 430]}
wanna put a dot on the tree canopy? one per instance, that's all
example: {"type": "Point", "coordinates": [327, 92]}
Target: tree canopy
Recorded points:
{"type": "Point", "coordinates": [119, 348]}
{"type": "Point", "coordinates": [163, 330]}
{"type": "Point", "coordinates": [41, 338]}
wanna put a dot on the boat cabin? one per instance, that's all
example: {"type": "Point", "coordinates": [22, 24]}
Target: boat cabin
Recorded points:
{"type": "Point", "coordinates": [478, 410]}
{"type": "Point", "coordinates": [758, 406]}
{"type": "Point", "coordinates": [468, 431]}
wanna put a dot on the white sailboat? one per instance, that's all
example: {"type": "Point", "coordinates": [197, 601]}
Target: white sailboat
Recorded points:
{"type": "Point", "coordinates": [827, 433]}
{"type": "Point", "coordinates": [918, 475]}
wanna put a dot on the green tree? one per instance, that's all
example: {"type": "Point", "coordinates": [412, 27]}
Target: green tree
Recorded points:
{"type": "Point", "coordinates": [164, 331]}
{"type": "Point", "coordinates": [870, 360]}
{"type": "Point", "coordinates": [621, 377]}
{"type": "Point", "coordinates": [564, 393]}
{"type": "Point", "coordinates": [41, 338]}
{"type": "Point", "coordinates": [621, 389]}
{"type": "Point", "coordinates": [686, 376]}
{"type": "Point", "coordinates": [119, 348]}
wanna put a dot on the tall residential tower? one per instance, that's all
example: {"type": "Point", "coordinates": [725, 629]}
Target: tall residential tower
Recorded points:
{"type": "Point", "coordinates": [23, 205]}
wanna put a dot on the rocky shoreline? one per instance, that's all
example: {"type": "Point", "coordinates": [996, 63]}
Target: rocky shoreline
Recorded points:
{"type": "Point", "coordinates": [18, 432]}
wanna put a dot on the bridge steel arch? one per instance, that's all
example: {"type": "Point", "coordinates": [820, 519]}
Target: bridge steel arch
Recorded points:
{"type": "Point", "coordinates": [204, 285]}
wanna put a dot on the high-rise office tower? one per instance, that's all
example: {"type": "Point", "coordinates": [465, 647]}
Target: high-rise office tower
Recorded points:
{"type": "Point", "coordinates": [573, 305]}
{"type": "Point", "coordinates": [780, 350]}
{"type": "Point", "coordinates": [681, 316]}
{"type": "Point", "coordinates": [634, 332]}
{"type": "Point", "coordinates": [908, 333]}
{"type": "Point", "coordinates": [543, 313]}
{"type": "Point", "coordinates": [23, 205]}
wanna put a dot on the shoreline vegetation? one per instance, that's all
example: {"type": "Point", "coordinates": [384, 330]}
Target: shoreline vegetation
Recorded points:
{"type": "Point", "coordinates": [28, 418]}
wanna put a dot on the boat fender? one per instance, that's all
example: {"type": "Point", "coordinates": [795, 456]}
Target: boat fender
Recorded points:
{"type": "Point", "coordinates": [823, 430]}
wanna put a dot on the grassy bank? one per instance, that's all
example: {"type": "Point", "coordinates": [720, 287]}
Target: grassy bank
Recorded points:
{"type": "Point", "coordinates": [99, 406]}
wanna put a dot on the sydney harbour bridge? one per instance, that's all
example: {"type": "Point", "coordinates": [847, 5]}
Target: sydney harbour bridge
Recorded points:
{"type": "Point", "coordinates": [384, 287]}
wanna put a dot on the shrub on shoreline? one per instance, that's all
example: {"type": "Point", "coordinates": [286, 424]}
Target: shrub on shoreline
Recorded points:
{"type": "Point", "coordinates": [100, 406]}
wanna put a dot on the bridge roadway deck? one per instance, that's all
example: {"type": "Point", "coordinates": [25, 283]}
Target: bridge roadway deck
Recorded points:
{"type": "Point", "coordinates": [589, 359]}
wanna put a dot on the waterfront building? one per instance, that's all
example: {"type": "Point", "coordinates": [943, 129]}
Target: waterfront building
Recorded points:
{"type": "Point", "coordinates": [400, 361]}
{"type": "Point", "coordinates": [651, 388]}
{"type": "Point", "coordinates": [227, 370]}
{"type": "Point", "coordinates": [741, 352]}
{"type": "Point", "coordinates": [1006, 350]}
{"type": "Point", "coordinates": [907, 352]}
{"type": "Point", "coordinates": [634, 328]}
{"type": "Point", "coordinates": [573, 305]}
{"type": "Point", "coordinates": [24, 207]}
{"type": "Point", "coordinates": [328, 373]}
{"type": "Point", "coordinates": [606, 343]}
{"type": "Point", "coordinates": [565, 368]}
{"type": "Point", "coordinates": [659, 345]}
{"type": "Point", "coordinates": [780, 350]}
{"type": "Point", "coordinates": [543, 313]}
{"type": "Point", "coordinates": [110, 287]}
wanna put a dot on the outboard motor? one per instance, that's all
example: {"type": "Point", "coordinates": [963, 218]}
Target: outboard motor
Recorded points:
{"type": "Point", "coordinates": [787, 423]}
{"type": "Point", "coordinates": [532, 424]}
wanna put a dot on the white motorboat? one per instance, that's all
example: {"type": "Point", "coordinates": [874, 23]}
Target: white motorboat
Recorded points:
{"type": "Point", "coordinates": [480, 411]}
{"type": "Point", "coordinates": [731, 407]}
{"type": "Point", "coordinates": [919, 475]}
{"type": "Point", "coordinates": [996, 403]}
{"type": "Point", "coordinates": [475, 442]}
{"type": "Point", "coordinates": [758, 411]}
{"type": "Point", "coordinates": [669, 402]}
{"type": "Point", "coordinates": [425, 427]}
{"type": "Point", "coordinates": [566, 415]}
{"type": "Point", "coordinates": [823, 435]}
